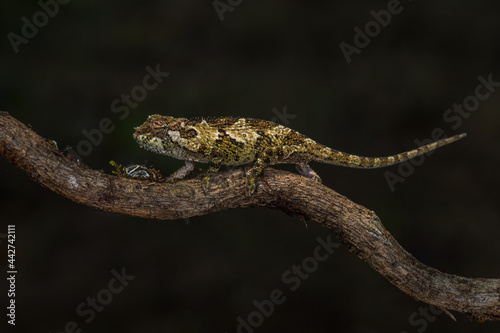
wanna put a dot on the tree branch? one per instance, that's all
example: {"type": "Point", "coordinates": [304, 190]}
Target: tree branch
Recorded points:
{"type": "Point", "coordinates": [359, 229]}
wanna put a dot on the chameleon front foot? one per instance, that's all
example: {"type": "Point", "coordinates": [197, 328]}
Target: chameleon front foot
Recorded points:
{"type": "Point", "coordinates": [205, 183]}
{"type": "Point", "coordinates": [214, 167]}
{"type": "Point", "coordinates": [251, 186]}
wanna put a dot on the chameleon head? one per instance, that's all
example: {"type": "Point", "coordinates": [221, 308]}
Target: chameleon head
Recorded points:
{"type": "Point", "coordinates": [153, 134]}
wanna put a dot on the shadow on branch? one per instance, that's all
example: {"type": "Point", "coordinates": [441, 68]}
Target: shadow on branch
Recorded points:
{"type": "Point", "coordinates": [359, 229]}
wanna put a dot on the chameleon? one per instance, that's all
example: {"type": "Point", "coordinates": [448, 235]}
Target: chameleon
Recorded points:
{"type": "Point", "coordinates": [241, 141]}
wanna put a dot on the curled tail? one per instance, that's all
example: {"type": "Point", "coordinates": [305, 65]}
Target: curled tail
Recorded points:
{"type": "Point", "coordinates": [332, 156]}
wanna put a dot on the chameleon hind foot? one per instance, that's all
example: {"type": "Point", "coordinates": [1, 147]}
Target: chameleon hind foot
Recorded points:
{"type": "Point", "coordinates": [305, 170]}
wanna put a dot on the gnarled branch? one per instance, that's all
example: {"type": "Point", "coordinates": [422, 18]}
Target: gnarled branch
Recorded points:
{"type": "Point", "coordinates": [359, 229]}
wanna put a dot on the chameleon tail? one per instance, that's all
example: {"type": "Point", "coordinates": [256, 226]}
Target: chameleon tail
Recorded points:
{"type": "Point", "coordinates": [332, 156]}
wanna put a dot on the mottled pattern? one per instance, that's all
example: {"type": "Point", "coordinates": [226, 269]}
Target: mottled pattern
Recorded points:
{"type": "Point", "coordinates": [240, 141]}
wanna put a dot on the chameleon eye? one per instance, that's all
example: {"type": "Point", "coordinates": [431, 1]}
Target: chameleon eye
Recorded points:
{"type": "Point", "coordinates": [158, 128]}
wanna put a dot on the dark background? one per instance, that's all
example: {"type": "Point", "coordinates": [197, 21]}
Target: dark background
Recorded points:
{"type": "Point", "coordinates": [200, 275]}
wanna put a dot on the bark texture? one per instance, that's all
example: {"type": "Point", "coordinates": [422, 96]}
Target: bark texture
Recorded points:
{"type": "Point", "coordinates": [359, 229]}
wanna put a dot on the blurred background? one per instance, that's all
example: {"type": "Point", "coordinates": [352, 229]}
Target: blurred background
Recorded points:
{"type": "Point", "coordinates": [66, 67]}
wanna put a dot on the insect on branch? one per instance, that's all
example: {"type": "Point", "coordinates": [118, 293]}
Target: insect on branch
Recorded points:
{"type": "Point", "coordinates": [359, 229]}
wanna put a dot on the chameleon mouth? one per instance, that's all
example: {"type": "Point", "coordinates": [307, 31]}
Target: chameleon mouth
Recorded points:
{"type": "Point", "coordinates": [138, 137]}
{"type": "Point", "coordinates": [140, 131]}
{"type": "Point", "coordinates": [152, 144]}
